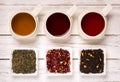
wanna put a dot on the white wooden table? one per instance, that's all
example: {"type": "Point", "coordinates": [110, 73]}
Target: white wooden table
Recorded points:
{"type": "Point", "coordinates": [111, 41]}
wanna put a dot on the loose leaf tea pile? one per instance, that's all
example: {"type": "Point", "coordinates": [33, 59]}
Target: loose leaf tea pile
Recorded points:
{"type": "Point", "coordinates": [58, 61]}
{"type": "Point", "coordinates": [92, 61]}
{"type": "Point", "coordinates": [24, 61]}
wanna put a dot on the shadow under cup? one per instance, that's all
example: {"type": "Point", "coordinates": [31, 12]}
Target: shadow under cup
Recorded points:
{"type": "Point", "coordinates": [58, 24]}
{"type": "Point", "coordinates": [23, 24]}
{"type": "Point", "coordinates": [93, 24]}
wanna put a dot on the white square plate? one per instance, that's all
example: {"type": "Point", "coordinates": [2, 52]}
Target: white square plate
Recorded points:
{"type": "Point", "coordinates": [21, 74]}
{"type": "Point", "coordinates": [94, 74]}
{"type": "Point", "coordinates": [59, 74]}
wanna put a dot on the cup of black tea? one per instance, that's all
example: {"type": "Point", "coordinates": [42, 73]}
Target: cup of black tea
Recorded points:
{"type": "Point", "coordinates": [58, 24]}
{"type": "Point", "coordinates": [92, 23]}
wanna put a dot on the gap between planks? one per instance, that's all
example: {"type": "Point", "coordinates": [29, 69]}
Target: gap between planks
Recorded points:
{"type": "Point", "coordinates": [82, 4]}
{"type": "Point", "coordinates": [72, 59]}
{"type": "Point", "coordinates": [70, 35]}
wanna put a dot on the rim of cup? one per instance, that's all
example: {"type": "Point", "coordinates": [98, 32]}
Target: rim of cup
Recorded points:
{"type": "Point", "coordinates": [63, 36]}
{"type": "Point", "coordinates": [18, 36]}
{"type": "Point", "coordinates": [82, 33]}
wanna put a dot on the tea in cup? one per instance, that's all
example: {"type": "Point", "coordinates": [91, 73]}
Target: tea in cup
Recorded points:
{"type": "Point", "coordinates": [92, 23]}
{"type": "Point", "coordinates": [23, 25]}
{"type": "Point", "coordinates": [58, 24]}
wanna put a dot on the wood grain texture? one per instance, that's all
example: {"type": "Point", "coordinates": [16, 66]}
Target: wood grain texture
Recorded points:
{"type": "Point", "coordinates": [111, 41]}
{"type": "Point", "coordinates": [57, 2]}
{"type": "Point", "coordinates": [113, 69]}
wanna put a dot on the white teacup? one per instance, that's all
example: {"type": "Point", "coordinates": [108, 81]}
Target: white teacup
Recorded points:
{"type": "Point", "coordinates": [34, 19]}
{"type": "Point", "coordinates": [59, 37]}
{"type": "Point", "coordinates": [81, 24]}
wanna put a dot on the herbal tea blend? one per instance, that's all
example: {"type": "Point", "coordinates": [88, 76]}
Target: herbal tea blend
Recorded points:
{"type": "Point", "coordinates": [58, 61]}
{"type": "Point", "coordinates": [92, 61]}
{"type": "Point", "coordinates": [24, 61]}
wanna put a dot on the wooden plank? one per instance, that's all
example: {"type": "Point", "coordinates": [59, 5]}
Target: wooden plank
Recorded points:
{"type": "Point", "coordinates": [113, 71]}
{"type": "Point", "coordinates": [44, 40]}
{"type": "Point", "coordinates": [32, 2]}
{"type": "Point", "coordinates": [98, 2]}
{"type": "Point", "coordinates": [7, 11]}
{"type": "Point", "coordinates": [111, 43]}
{"type": "Point", "coordinates": [66, 2]}
{"type": "Point", "coordinates": [112, 65]}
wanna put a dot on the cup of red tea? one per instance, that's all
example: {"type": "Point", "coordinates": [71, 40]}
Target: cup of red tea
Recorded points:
{"type": "Point", "coordinates": [92, 23]}
{"type": "Point", "coordinates": [58, 24]}
{"type": "Point", "coordinates": [23, 25]}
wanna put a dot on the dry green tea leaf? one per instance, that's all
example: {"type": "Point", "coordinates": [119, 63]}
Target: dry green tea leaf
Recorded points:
{"type": "Point", "coordinates": [24, 61]}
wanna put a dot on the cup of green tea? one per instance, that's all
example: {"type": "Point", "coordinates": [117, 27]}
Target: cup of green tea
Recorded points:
{"type": "Point", "coordinates": [23, 25]}
{"type": "Point", "coordinates": [92, 24]}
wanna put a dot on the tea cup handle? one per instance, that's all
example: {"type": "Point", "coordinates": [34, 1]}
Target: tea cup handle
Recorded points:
{"type": "Point", "coordinates": [72, 10]}
{"type": "Point", "coordinates": [37, 9]}
{"type": "Point", "coordinates": [107, 9]}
